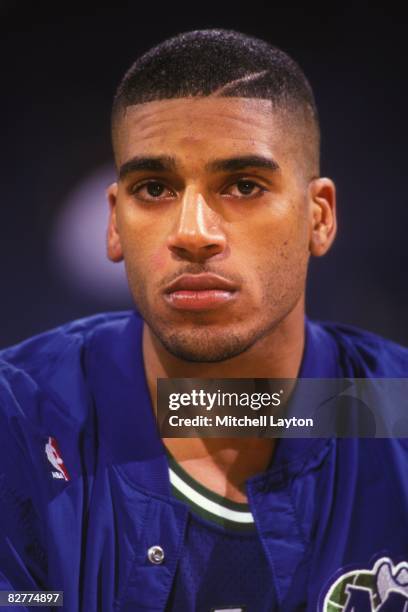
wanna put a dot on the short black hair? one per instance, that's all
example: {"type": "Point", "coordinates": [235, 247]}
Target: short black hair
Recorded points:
{"type": "Point", "coordinates": [224, 63]}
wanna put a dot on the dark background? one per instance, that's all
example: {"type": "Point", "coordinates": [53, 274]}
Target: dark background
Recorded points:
{"type": "Point", "coordinates": [58, 76]}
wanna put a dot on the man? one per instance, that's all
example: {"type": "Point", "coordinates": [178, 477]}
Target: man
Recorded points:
{"type": "Point", "coordinates": [218, 205]}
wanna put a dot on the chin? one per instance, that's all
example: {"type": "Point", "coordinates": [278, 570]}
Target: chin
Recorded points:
{"type": "Point", "coordinates": [204, 346]}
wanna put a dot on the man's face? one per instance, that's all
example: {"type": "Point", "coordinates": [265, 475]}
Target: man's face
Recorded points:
{"type": "Point", "coordinates": [213, 219]}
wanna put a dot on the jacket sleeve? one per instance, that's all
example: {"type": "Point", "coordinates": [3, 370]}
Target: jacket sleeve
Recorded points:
{"type": "Point", "coordinates": [23, 562]}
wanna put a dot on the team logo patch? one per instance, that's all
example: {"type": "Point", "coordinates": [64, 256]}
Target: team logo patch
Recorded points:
{"type": "Point", "coordinates": [384, 588]}
{"type": "Point", "coordinates": [54, 457]}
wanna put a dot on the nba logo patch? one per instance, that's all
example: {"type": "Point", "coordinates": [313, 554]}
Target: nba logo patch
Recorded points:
{"type": "Point", "coordinates": [54, 457]}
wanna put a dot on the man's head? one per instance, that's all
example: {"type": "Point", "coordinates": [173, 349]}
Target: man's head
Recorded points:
{"type": "Point", "coordinates": [216, 141]}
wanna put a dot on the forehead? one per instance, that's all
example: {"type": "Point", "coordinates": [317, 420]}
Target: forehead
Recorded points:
{"type": "Point", "coordinates": [201, 128]}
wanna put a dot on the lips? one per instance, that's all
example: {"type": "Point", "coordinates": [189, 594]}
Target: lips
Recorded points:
{"type": "Point", "coordinates": [200, 292]}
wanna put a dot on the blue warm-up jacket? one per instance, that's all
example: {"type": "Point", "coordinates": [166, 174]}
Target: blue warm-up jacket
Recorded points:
{"type": "Point", "coordinates": [84, 485]}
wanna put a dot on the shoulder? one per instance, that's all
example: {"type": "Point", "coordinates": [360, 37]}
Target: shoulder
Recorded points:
{"type": "Point", "coordinates": [45, 415]}
{"type": "Point", "coordinates": [44, 393]}
{"type": "Point", "coordinates": [367, 353]}
{"type": "Point", "coordinates": [35, 352]}
{"type": "Point", "coordinates": [51, 365]}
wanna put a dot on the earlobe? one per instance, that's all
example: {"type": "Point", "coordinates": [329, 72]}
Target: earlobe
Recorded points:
{"type": "Point", "coordinates": [114, 247]}
{"type": "Point", "coordinates": [323, 222]}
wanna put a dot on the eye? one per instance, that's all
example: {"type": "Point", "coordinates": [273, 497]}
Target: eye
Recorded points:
{"type": "Point", "coordinates": [152, 190]}
{"type": "Point", "coordinates": [244, 188]}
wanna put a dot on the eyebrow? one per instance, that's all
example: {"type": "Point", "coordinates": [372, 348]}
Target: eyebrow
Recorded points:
{"type": "Point", "coordinates": [233, 164]}
{"type": "Point", "coordinates": [161, 163]}
{"type": "Point", "coordinates": [165, 163]}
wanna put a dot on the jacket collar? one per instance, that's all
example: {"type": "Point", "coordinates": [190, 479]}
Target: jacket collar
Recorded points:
{"type": "Point", "coordinates": [124, 415]}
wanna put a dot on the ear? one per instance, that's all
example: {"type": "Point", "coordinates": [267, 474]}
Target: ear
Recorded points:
{"type": "Point", "coordinates": [323, 222]}
{"type": "Point", "coordinates": [114, 247]}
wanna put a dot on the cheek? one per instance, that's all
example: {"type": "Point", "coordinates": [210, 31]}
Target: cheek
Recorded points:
{"type": "Point", "coordinates": [159, 259]}
{"type": "Point", "coordinates": [143, 235]}
{"type": "Point", "coordinates": [275, 253]}
{"type": "Point", "coordinates": [284, 237]}
{"type": "Point", "coordinates": [145, 255]}
{"type": "Point", "coordinates": [134, 233]}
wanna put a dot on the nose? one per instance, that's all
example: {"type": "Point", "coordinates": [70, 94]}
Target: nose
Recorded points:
{"type": "Point", "coordinates": [197, 235]}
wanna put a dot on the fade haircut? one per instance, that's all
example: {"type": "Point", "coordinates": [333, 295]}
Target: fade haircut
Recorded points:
{"type": "Point", "coordinates": [224, 63]}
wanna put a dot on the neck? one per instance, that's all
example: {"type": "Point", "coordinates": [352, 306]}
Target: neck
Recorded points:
{"type": "Point", "coordinates": [224, 464]}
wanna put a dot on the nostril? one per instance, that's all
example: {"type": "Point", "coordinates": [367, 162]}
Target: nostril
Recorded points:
{"type": "Point", "coordinates": [212, 249]}
{"type": "Point", "coordinates": [198, 253]}
{"type": "Point", "coordinates": [180, 251]}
